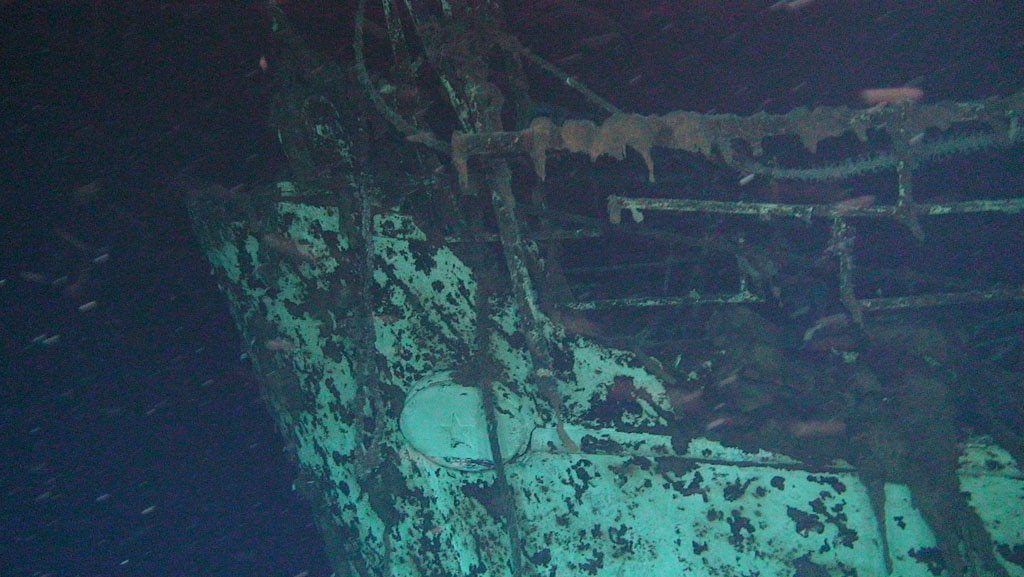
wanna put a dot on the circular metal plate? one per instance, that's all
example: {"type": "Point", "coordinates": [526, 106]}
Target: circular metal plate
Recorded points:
{"type": "Point", "coordinates": [445, 421]}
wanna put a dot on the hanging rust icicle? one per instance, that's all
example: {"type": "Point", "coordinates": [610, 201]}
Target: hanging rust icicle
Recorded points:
{"type": "Point", "coordinates": [715, 136]}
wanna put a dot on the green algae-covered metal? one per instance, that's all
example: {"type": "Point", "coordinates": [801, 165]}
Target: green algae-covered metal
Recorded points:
{"type": "Point", "coordinates": [385, 405]}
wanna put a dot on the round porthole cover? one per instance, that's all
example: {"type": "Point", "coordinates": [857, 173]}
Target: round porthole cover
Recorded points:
{"type": "Point", "coordinates": [444, 420]}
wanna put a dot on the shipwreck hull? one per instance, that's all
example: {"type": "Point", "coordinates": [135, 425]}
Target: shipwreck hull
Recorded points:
{"type": "Point", "coordinates": [488, 357]}
{"type": "Point", "coordinates": [394, 367]}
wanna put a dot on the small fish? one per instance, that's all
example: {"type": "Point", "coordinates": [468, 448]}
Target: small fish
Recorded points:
{"type": "Point", "coordinates": [851, 204]}
{"type": "Point", "coordinates": [838, 320]}
{"type": "Point", "coordinates": [893, 95]}
{"type": "Point", "coordinates": [816, 428]}
{"type": "Point", "coordinates": [289, 248]}
{"type": "Point", "coordinates": [279, 345]}
{"type": "Point", "coordinates": [790, 5]}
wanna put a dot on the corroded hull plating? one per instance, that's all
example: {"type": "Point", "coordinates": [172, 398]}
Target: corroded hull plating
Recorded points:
{"type": "Point", "coordinates": [394, 434]}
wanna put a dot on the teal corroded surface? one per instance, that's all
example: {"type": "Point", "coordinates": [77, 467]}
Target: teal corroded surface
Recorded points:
{"type": "Point", "coordinates": [589, 495]}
